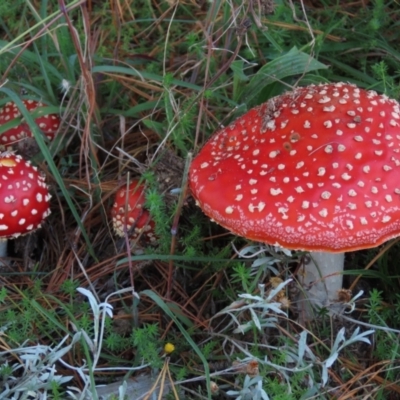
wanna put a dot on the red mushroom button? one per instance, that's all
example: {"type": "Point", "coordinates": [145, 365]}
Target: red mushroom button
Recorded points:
{"type": "Point", "coordinates": [49, 124]}
{"type": "Point", "coordinates": [129, 215]}
{"type": "Point", "coordinates": [24, 197]}
{"type": "Point", "coordinates": [313, 169]}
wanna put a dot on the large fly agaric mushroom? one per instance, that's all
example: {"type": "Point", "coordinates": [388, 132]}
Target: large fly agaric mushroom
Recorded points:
{"type": "Point", "coordinates": [129, 215]}
{"type": "Point", "coordinates": [24, 198]}
{"type": "Point", "coordinates": [317, 169]}
{"type": "Point", "coordinates": [48, 123]}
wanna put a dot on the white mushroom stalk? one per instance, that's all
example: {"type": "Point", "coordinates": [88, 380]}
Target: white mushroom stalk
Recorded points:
{"type": "Point", "coordinates": [321, 279]}
{"type": "Point", "coordinates": [3, 250]}
{"type": "Point", "coordinates": [315, 169]}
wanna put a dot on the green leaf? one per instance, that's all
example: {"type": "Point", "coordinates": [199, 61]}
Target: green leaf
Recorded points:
{"type": "Point", "coordinates": [293, 63]}
{"type": "Point", "coordinates": [155, 126]}
{"type": "Point", "coordinates": [238, 70]}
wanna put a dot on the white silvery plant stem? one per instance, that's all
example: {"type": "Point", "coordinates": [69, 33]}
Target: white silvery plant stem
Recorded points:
{"type": "Point", "coordinates": [321, 279]}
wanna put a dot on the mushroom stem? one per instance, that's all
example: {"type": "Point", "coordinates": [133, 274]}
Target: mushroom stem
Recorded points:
{"type": "Point", "coordinates": [323, 276]}
{"type": "Point", "coordinates": [3, 249]}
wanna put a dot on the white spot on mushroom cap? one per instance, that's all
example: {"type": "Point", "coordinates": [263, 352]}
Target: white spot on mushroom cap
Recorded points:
{"type": "Point", "coordinates": [273, 154]}
{"type": "Point", "coordinates": [323, 213]}
{"type": "Point", "coordinates": [275, 192]}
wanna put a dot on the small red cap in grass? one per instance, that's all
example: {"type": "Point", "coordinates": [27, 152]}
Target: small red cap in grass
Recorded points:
{"type": "Point", "coordinates": [24, 197]}
{"type": "Point", "coordinates": [129, 215]}
{"type": "Point", "coordinates": [49, 123]}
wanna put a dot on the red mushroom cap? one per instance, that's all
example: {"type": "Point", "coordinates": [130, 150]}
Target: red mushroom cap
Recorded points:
{"type": "Point", "coordinates": [24, 197]}
{"type": "Point", "coordinates": [317, 168]}
{"type": "Point", "coordinates": [49, 123]}
{"type": "Point", "coordinates": [128, 211]}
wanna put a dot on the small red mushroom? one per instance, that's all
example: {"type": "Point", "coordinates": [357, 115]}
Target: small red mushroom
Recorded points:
{"type": "Point", "coordinates": [48, 124]}
{"type": "Point", "coordinates": [316, 169]}
{"type": "Point", "coordinates": [24, 198]}
{"type": "Point", "coordinates": [129, 215]}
